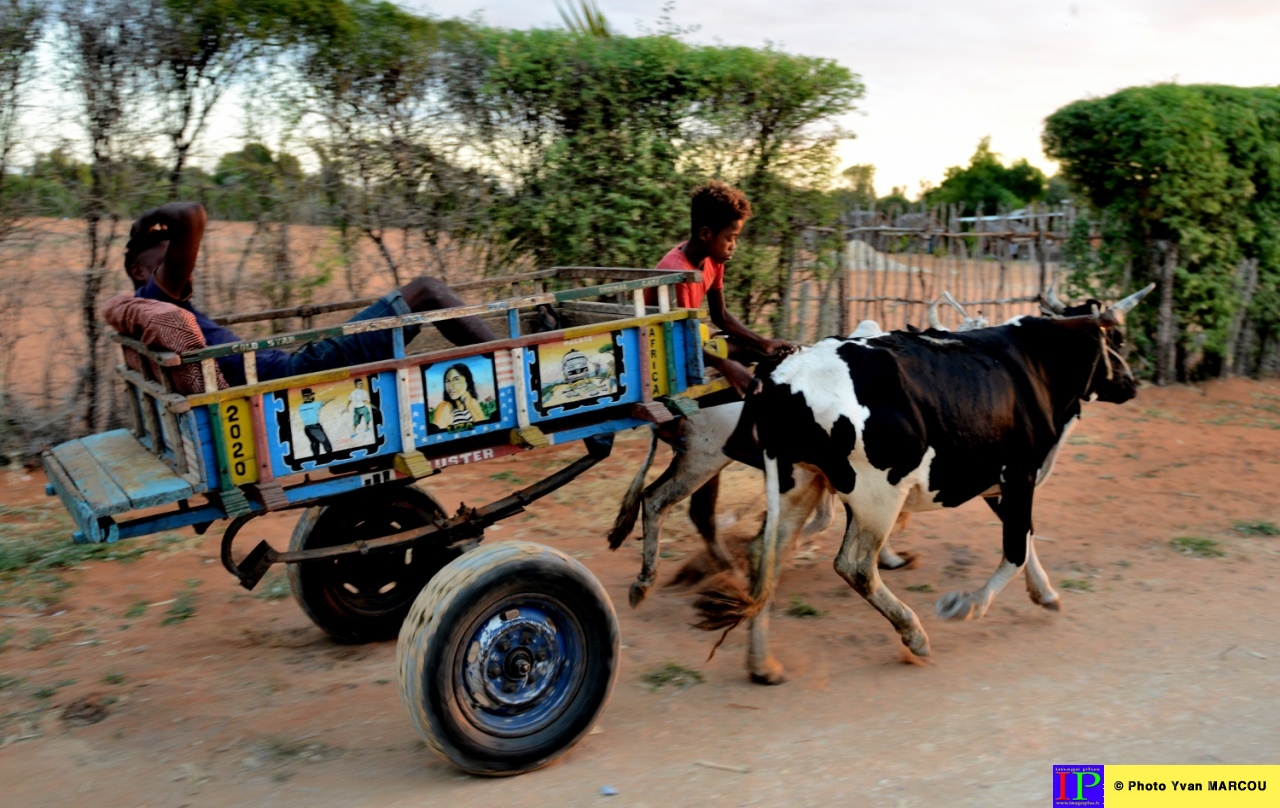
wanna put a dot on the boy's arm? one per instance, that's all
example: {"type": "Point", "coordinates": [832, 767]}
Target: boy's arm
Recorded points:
{"type": "Point", "coordinates": [743, 381]}
{"type": "Point", "coordinates": [729, 324]}
{"type": "Point", "coordinates": [182, 225]}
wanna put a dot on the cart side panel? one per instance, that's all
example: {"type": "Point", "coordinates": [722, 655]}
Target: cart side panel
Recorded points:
{"type": "Point", "coordinates": [314, 426]}
{"type": "Point", "coordinates": [584, 374]}
{"type": "Point", "coordinates": [442, 412]}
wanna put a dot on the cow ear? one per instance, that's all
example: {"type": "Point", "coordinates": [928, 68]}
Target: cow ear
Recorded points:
{"type": "Point", "coordinates": [1111, 318]}
{"type": "Point", "coordinates": [1078, 321]}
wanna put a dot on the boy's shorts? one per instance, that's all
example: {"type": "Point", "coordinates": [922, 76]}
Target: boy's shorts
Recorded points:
{"type": "Point", "coordinates": [354, 349]}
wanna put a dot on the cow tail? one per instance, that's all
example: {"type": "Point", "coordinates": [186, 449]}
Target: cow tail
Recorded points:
{"type": "Point", "coordinates": [630, 508]}
{"type": "Point", "coordinates": [727, 603]}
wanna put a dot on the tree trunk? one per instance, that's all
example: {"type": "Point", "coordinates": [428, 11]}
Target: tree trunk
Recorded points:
{"type": "Point", "coordinates": [1164, 259]}
{"type": "Point", "coordinates": [1237, 350]}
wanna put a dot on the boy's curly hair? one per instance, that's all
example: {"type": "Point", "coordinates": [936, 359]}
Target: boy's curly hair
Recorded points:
{"type": "Point", "coordinates": [716, 205]}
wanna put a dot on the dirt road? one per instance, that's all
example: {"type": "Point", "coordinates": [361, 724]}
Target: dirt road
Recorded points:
{"type": "Point", "coordinates": [215, 696]}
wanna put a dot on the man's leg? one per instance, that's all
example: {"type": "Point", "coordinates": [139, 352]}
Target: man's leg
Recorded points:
{"type": "Point", "coordinates": [420, 294]}
{"type": "Point", "coordinates": [429, 294]}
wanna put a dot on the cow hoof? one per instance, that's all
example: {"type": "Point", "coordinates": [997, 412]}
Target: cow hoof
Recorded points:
{"type": "Point", "coordinates": [637, 593]}
{"type": "Point", "coordinates": [955, 606]}
{"type": "Point", "coordinates": [905, 560]}
{"type": "Point", "coordinates": [1053, 605]}
{"type": "Point", "coordinates": [917, 643]}
{"type": "Point", "coordinates": [771, 674]}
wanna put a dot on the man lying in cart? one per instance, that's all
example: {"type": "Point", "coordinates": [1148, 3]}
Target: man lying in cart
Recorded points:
{"type": "Point", "coordinates": [717, 213]}
{"type": "Point", "coordinates": [160, 258]}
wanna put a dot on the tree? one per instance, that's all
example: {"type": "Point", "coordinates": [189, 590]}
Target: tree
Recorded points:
{"type": "Point", "coordinates": [391, 135]}
{"type": "Point", "coordinates": [986, 186]}
{"type": "Point", "coordinates": [21, 22]}
{"type": "Point", "coordinates": [1187, 179]}
{"type": "Point", "coordinates": [103, 53]}
{"type": "Point", "coordinates": [858, 188]}
{"type": "Point", "coordinates": [199, 48]}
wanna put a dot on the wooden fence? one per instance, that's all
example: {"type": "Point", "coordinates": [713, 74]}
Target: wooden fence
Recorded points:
{"type": "Point", "coordinates": [890, 268]}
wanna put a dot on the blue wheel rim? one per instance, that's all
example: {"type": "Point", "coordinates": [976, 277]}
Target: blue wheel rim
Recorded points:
{"type": "Point", "coordinates": [521, 666]}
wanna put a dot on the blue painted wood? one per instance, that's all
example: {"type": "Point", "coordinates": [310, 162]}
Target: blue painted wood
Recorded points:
{"type": "Point", "coordinates": [81, 513]}
{"type": "Point", "coordinates": [90, 480]}
{"type": "Point", "coordinates": [397, 343]}
{"type": "Point", "coordinates": [323, 488]}
{"type": "Point", "coordinates": [191, 433]}
{"type": "Point", "coordinates": [513, 323]}
{"type": "Point", "coordinates": [679, 347]}
{"type": "Point", "coordinates": [208, 455]}
{"type": "Point", "coordinates": [570, 435]}
{"type": "Point", "coordinates": [694, 369]}
{"type": "Point", "coordinates": [172, 520]}
{"type": "Point", "coordinates": [144, 478]}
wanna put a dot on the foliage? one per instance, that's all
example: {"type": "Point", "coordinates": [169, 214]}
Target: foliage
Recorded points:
{"type": "Point", "coordinates": [20, 28]}
{"type": "Point", "coordinates": [799, 607]}
{"type": "Point", "coordinates": [1198, 547]}
{"type": "Point", "coordinates": [672, 675]}
{"type": "Point", "coordinates": [36, 553]}
{"type": "Point", "coordinates": [986, 186]}
{"type": "Point", "coordinates": [858, 187]}
{"type": "Point", "coordinates": [600, 140]}
{"type": "Point", "coordinates": [1257, 528]}
{"type": "Point", "coordinates": [1194, 166]}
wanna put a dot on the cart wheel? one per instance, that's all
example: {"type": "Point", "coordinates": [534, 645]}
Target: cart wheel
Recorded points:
{"type": "Point", "coordinates": [365, 597]}
{"type": "Point", "coordinates": [508, 657]}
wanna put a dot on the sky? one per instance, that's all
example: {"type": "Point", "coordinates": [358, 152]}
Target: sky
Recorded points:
{"type": "Point", "coordinates": [942, 75]}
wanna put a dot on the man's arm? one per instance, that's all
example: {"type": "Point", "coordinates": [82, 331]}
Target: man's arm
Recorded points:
{"type": "Point", "coordinates": [182, 225]}
{"type": "Point", "coordinates": [738, 332]}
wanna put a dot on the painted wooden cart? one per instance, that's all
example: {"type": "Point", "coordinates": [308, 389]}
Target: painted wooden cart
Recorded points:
{"type": "Point", "coordinates": [507, 653]}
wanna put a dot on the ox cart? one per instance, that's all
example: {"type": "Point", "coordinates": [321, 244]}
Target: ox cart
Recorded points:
{"type": "Point", "coordinates": [507, 652]}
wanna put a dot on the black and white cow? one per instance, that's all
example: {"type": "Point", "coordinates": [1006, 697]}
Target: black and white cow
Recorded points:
{"type": "Point", "coordinates": [914, 422]}
{"type": "Point", "coordinates": [694, 474]}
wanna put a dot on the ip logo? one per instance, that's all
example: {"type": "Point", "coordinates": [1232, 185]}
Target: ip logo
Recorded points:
{"type": "Point", "coordinates": [1078, 786]}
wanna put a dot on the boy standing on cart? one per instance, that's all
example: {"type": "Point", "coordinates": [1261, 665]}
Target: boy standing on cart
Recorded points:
{"type": "Point", "coordinates": [717, 213]}
{"type": "Point", "coordinates": [161, 255]}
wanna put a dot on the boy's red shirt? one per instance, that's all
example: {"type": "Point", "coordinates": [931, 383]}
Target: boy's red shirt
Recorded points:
{"type": "Point", "coordinates": [690, 295]}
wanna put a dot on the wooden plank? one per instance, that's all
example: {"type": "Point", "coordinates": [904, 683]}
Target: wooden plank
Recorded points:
{"type": "Point", "coordinates": [96, 487]}
{"type": "Point", "coordinates": [173, 402]}
{"type": "Point", "coordinates": [238, 435]}
{"type": "Point", "coordinates": [142, 476]}
{"type": "Point", "coordinates": [521, 376]}
{"type": "Point", "coordinates": [646, 369]}
{"type": "Point", "coordinates": [260, 449]}
{"type": "Point", "coordinates": [191, 450]}
{"type": "Point", "coordinates": [669, 351]}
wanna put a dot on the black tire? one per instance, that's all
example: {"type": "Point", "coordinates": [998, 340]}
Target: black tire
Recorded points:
{"type": "Point", "coordinates": [560, 661]}
{"type": "Point", "coordinates": [364, 598]}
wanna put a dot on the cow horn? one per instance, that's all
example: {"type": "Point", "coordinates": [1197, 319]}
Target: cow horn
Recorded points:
{"type": "Point", "coordinates": [933, 317]}
{"type": "Point", "coordinates": [947, 296]}
{"type": "Point", "coordinates": [1133, 299]}
{"type": "Point", "coordinates": [1051, 295]}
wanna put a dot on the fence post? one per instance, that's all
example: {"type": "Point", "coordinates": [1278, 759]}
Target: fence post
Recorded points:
{"type": "Point", "coordinates": [842, 286]}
